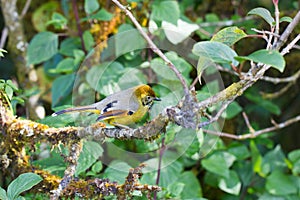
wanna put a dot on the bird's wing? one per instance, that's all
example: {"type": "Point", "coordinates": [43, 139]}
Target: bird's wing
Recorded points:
{"type": "Point", "coordinates": [114, 113]}
{"type": "Point", "coordinates": [124, 100]}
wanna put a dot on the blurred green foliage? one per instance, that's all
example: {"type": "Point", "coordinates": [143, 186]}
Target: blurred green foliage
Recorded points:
{"type": "Point", "coordinates": [194, 165]}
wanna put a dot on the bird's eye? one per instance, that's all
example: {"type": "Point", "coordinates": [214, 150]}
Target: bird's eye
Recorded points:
{"type": "Point", "coordinates": [148, 98]}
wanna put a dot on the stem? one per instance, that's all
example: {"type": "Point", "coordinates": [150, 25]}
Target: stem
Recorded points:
{"type": "Point", "coordinates": [25, 9]}
{"type": "Point", "coordinates": [276, 21]}
{"type": "Point", "coordinates": [161, 152]}
{"type": "Point", "coordinates": [75, 9]}
{"type": "Point", "coordinates": [288, 31]}
{"type": "Point", "coordinates": [256, 133]}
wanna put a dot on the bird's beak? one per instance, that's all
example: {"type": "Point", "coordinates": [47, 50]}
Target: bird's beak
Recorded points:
{"type": "Point", "coordinates": [157, 99]}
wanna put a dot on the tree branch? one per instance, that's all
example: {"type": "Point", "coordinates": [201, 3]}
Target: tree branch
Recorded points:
{"type": "Point", "coordinates": [284, 36]}
{"type": "Point", "coordinates": [25, 9]}
{"type": "Point", "coordinates": [75, 8]}
{"type": "Point", "coordinates": [255, 133]}
{"type": "Point", "coordinates": [17, 46]}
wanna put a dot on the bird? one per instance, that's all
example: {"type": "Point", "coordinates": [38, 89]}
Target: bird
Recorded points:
{"type": "Point", "coordinates": [121, 108]}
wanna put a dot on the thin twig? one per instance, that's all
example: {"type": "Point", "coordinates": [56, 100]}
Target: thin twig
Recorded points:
{"type": "Point", "coordinates": [278, 93]}
{"type": "Point", "coordinates": [25, 9]}
{"type": "Point", "coordinates": [217, 116]}
{"type": "Point", "coordinates": [265, 32]}
{"type": "Point", "coordinates": [276, 22]}
{"type": "Point", "coordinates": [283, 38]}
{"type": "Point", "coordinates": [195, 81]}
{"type": "Point", "coordinates": [256, 133]}
{"type": "Point", "coordinates": [269, 44]}
{"type": "Point", "coordinates": [290, 45]}
{"type": "Point", "coordinates": [274, 80]}
{"type": "Point", "coordinates": [154, 48]}
{"type": "Point", "coordinates": [161, 152]}
{"type": "Point", "coordinates": [251, 129]}
{"type": "Point", "coordinates": [80, 34]}
{"type": "Point", "coordinates": [3, 37]}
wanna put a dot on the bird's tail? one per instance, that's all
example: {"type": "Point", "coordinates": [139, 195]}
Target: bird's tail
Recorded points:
{"type": "Point", "coordinates": [78, 109]}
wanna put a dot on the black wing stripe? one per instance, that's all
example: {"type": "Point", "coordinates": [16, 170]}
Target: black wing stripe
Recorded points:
{"type": "Point", "coordinates": [109, 105]}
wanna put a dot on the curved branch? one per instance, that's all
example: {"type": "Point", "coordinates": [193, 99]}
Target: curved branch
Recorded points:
{"type": "Point", "coordinates": [255, 133]}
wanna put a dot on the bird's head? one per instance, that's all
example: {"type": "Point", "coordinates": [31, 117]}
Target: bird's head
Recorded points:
{"type": "Point", "coordinates": [146, 95]}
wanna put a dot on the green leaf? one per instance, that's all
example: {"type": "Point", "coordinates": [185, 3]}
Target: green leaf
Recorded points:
{"type": "Point", "coordinates": [78, 57]}
{"type": "Point", "coordinates": [177, 33]}
{"type": "Point", "coordinates": [64, 66]}
{"type": "Point", "coordinates": [264, 13]}
{"type": "Point", "coordinates": [170, 171]}
{"type": "Point", "coordinates": [22, 183]}
{"type": "Point", "coordinates": [266, 104]}
{"type": "Point", "coordinates": [51, 64]}
{"type": "Point", "coordinates": [165, 11]}
{"type": "Point", "coordinates": [43, 13]}
{"type": "Point", "coordinates": [268, 196]}
{"type": "Point", "coordinates": [279, 183]}
{"type": "Point", "coordinates": [12, 85]}
{"type": "Point", "coordinates": [240, 151]}
{"type": "Point", "coordinates": [245, 172]}
{"type": "Point", "coordinates": [117, 171]}
{"type": "Point", "coordinates": [175, 188]}
{"type": "Point", "coordinates": [104, 77]}
{"type": "Point", "coordinates": [229, 35]}
{"type": "Point", "coordinates": [217, 52]}
{"type": "Point", "coordinates": [192, 188]}
{"type": "Point", "coordinates": [42, 47]}
{"type": "Point", "coordinates": [286, 19]}
{"type": "Point", "coordinates": [232, 110]}
{"type": "Point", "coordinates": [294, 157]}
{"type": "Point", "coordinates": [203, 64]}
{"type": "Point", "coordinates": [97, 167]}
{"type": "Point", "coordinates": [9, 91]}
{"type": "Point", "coordinates": [219, 163]}
{"type": "Point", "coordinates": [101, 15]}
{"type": "Point", "coordinates": [256, 159]}
{"type": "Point", "coordinates": [88, 40]}
{"type": "Point", "coordinates": [91, 6]}
{"type": "Point", "coordinates": [58, 21]}
{"type": "Point", "coordinates": [91, 151]}
{"type": "Point", "coordinates": [131, 77]}
{"type": "Point", "coordinates": [128, 35]}
{"type": "Point", "coordinates": [68, 46]}
{"type": "Point", "coordinates": [1, 52]}
{"type": "Point", "coordinates": [61, 88]}
{"type": "Point", "coordinates": [54, 164]}
{"type": "Point", "coordinates": [274, 160]}
{"type": "Point", "coordinates": [231, 184]}
{"type": "Point", "coordinates": [162, 70]}
{"type": "Point", "coordinates": [3, 195]}
{"type": "Point", "coordinates": [268, 57]}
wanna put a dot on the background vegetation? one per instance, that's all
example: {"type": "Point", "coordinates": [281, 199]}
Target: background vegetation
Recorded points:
{"type": "Point", "coordinates": [56, 51]}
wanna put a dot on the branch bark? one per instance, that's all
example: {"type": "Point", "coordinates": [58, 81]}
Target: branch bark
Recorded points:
{"type": "Point", "coordinates": [17, 46]}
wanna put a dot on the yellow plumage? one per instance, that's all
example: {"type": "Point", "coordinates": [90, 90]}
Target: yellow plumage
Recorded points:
{"type": "Point", "coordinates": [122, 108]}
